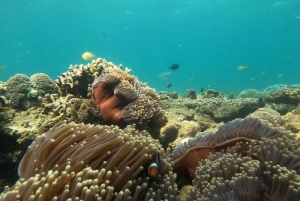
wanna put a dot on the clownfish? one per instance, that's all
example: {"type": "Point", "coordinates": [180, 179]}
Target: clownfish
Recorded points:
{"type": "Point", "coordinates": [153, 167]}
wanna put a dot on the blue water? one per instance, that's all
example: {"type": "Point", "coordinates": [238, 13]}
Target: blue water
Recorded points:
{"type": "Point", "coordinates": [148, 36]}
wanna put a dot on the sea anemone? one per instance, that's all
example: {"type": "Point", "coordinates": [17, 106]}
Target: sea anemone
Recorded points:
{"type": "Point", "coordinates": [86, 162]}
{"type": "Point", "coordinates": [244, 160]}
{"type": "Point", "coordinates": [124, 100]}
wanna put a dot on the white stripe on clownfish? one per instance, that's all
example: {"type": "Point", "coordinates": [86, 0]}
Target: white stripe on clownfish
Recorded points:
{"type": "Point", "coordinates": [153, 167]}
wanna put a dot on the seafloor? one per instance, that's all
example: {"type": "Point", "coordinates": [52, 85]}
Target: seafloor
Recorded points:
{"type": "Point", "coordinates": [242, 146]}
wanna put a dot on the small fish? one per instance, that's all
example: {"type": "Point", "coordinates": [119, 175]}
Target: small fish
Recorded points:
{"type": "Point", "coordinates": [174, 66]}
{"type": "Point", "coordinates": [104, 34]}
{"type": "Point", "coordinates": [279, 75]}
{"type": "Point", "coordinates": [265, 72]}
{"type": "Point", "coordinates": [212, 70]}
{"type": "Point", "coordinates": [164, 75]}
{"type": "Point", "coordinates": [241, 68]}
{"type": "Point", "coordinates": [2, 67]}
{"type": "Point", "coordinates": [169, 84]}
{"type": "Point", "coordinates": [88, 56]}
{"type": "Point", "coordinates": [153, 167]}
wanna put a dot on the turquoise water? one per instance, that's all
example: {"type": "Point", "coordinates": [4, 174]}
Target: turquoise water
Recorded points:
{"type": "Point", "coordinates": [208, 39]}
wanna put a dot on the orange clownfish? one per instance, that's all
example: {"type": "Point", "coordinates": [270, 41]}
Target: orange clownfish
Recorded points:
{"type": "Point", "coordinates": [153, 167]}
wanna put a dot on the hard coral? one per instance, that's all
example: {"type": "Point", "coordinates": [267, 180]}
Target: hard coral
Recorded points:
{"type": "Point", "coordinates": [17, 88]}
{"type": "Point", "coordinates": [43, 84]}
{"type": "Point", "coordinates": [124, 100]}
{"type": "Point", "coordinates": [287, 96]}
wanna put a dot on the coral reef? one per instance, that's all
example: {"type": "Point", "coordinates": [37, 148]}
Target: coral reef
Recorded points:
{"type": "Point", "coordinates": [19, 129]}
{"type": "Point", "coordinates": [167, 95]}
{"type": "Point", "coordinates": [215, 155]}
{"type": "Point", "coordinates": [168, 134]}
{"type": "Point", "coordinates": [17, 89]}
{"type": "Point", "coordinates": [191, 93]}
{"type": "Point", "coordinates": [124, 100]}
{"type": "Point", "coordinates": [77, 79]}
{"type": "Point", "coordinates": [43, 84]}
{"type": "Point", "coordinates": [251, 93]}
{"type": "Point", "coordinates": [210, 93]}
{"type": "Point", "coordinates": [88, 162]}
{"type": "Point", "coordinates": [292, 121]}
{"type": "Point", "coordinates": [268, 115]}
{"type": "Point", "coordinates": [218, 109]}
{"type": "Point", "coordinates": [286, 96]}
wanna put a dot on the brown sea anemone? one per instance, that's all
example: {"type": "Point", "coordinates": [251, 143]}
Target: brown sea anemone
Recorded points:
{"type": "Point", "coordinates": [187, 156]}
{"type": "Point", "coordinates": [245, 159]}
{"type": "Point", "coordinates": [86, 162]}
{"type": "Point", "coordinates": [124, 100]}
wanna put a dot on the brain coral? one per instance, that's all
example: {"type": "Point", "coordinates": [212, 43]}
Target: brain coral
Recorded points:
{"type": "Point", "coordinates": [124, 100]}
{"type": "Point", "coordinates": [17, 88]}
{"type": "Point", "coordinates": [85, 162]}
{"type": "Point", "coordinates": [43, 84]}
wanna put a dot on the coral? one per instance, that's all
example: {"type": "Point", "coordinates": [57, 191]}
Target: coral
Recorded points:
{"type": "Point", "coordinates": [191, 93]}
{"type": "Point", "coordinates": [168, 134]}
{"type": "Point", "coordinates": [124, 100]}
{"type": "Point", "coordinates": [76, 81]}
{"type": "Point", "coordinates": [218, 109]}
{"type": "Point", "coordinates": [210, 93]}
{"type": "Point", "coordinates": [3, 88]}
{"type": "Point", "coordinates": [226, 110]}
{"type": "Point", "coordinates": [268, 115]}
{"type": "Point", "coordinates": [291, 121]}
{"type": "Point", "coordinates": [251, 93]}
{"type": "Point", "coordinates": [17, 88]}
{"type": "Point", "coordinates": [167, 95]}
{"type": "Point", "coordinates": [43, 84]}
{"type": "Point", "coordinates": [287, 96]}
{"type": "Point", "coordinates": [274, 88]}
{"type": "Point", "coordinates": [88, 162]}
{"type": "Point", "coordinates": [282, 108]}
{"type": "Point", "coordinates": [188, 129]}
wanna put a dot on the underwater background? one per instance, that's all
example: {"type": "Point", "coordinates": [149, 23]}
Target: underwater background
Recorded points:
{"type": "Point", "coordinates": [208, 39]}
